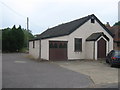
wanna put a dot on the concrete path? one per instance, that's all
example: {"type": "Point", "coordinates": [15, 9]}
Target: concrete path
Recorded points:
{"type": "Point", "coordinates": [20, 72]}
{"type": "Point", "coordinates": [100, 72]}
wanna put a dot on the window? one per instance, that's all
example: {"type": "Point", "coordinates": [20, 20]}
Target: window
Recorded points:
{"type": "Point", "coordinates": [117, 53]}
{"type": "Point", "coordinates": [92, 20]}
{"type": "Point", "coordinates": [78, 44]}
{"type": "Point", "coordinates": [33, 44]}
{"type": "Point", "coordinates": [62, 45]}
{"type": "Point", "coordinates": [51, 45]}
{"type": "Point", "coordinates": [55, 45]}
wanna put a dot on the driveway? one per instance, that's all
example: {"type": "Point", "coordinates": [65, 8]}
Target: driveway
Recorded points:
{"type": "Point", "coordinates": [21, 72]}
{"type": "Point", "coordinates": [101, 73]}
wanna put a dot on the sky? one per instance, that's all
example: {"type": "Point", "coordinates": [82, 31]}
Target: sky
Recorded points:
{"type": "Point", "coordinates": [44, 14]}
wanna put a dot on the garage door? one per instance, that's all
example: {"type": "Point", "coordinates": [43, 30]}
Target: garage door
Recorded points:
{"type": "Point", "coordinates": [58, 50]}
{"type": "Point", "coordinates": [101, 48]}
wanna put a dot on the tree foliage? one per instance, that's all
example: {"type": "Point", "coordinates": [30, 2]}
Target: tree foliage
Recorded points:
{"type": "Point", "coordinates": [28, 36]}
{"type": "Point", "coordinates": [117, 23]}
{"type": "Point", "coordinates": [14, 39]}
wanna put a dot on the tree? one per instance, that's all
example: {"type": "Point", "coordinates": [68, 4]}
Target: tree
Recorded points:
{"type": "Point", "coordinates": [14, 39]}
{"type": "Point", "coordinates": [117, 23]}
{"type": "Point", "coordinates": [28, 36]}
{"type": "Point", "coordinates": [20, 38]}
{"type": "Point", "coordinates": [5, 39]}
{"type": "Point", "coordinates": [13, 35]}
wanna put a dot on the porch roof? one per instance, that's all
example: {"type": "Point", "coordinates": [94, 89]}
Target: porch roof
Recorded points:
{"type": "Point", "coordinates": [96, 36]}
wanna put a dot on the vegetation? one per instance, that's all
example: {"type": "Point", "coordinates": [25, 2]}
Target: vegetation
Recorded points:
{"type": "Point", "coordinates": [27, 36]}
{"type": "Point", "coordinates": [117, 23]}
{"type": "Point", "coordinates": [15, 39]}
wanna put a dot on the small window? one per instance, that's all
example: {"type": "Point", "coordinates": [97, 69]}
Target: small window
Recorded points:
{"type": "Point", "coordinates": [65, 45]}
{"type": "Point", "coordinates": [92, 20]}
{"type": "Point", "coordinates": [60, 45]}
{"type": "Point", "coordinates": [33, 44]}
{"type": "Point", "coordinates": [78, 44]}
{"type": "Point", "coordinates": [55, 45]}
{"type": "Point", "coordinates": [51, 45]}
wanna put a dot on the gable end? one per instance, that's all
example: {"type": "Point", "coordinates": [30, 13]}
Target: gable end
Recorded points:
{"type": "Point", "coordinates": [103, 26]}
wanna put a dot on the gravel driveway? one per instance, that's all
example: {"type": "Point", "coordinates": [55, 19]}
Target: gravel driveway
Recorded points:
{"type": "Point", "coordinates": [21, 72]}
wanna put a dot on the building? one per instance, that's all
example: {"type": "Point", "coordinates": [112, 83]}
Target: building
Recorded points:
{"type": "Point", "coordinates": [115, 30]}
{"type": "Point", "coordinates": [84, 38]}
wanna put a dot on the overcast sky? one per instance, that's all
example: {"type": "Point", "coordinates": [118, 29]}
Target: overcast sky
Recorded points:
{"type": "Point", "coordinates": [44, 14]}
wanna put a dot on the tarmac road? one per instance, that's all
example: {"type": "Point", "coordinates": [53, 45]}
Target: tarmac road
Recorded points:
{"type": "Point", "coordinates": [21, 72]}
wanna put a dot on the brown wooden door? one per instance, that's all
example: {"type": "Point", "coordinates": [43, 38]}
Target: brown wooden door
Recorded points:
{"type": "Point", "coordinates": [101, 51]}
{"type": "Point", "coordinates": [58, 50]}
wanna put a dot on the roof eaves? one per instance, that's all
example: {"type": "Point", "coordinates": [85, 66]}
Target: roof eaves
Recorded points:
{"type": "Point", "coordinates": [54, 36]}
{"type": "Point", "coordinates": [94, 38]}
{"type": "Point", "coordinates": [90, 40]}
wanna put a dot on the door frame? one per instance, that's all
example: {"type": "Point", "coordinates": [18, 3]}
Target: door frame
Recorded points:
{"type": "Point", "coordinates": [107, 47]}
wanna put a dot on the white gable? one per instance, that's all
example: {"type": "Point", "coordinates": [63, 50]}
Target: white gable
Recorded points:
{"type": "Point", "coordinates": [84, 32]}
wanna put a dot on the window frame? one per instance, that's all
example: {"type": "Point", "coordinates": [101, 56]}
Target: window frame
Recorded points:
{"type": "Point", "coordinates": [77, 44]}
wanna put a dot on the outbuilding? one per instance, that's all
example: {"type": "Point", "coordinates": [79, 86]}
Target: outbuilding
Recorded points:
{"type": "Point", "coordinates": [84, 38]}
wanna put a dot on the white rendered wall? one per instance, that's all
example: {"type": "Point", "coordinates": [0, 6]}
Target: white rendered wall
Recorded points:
{"type": "Point", "coordinates": [90, 50]}
{"type": "Point", "coordinates": [34, 51]}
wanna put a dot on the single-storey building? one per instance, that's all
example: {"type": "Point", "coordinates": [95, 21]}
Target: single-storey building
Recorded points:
{"type": "Point", "coordinates": [84, 38]}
